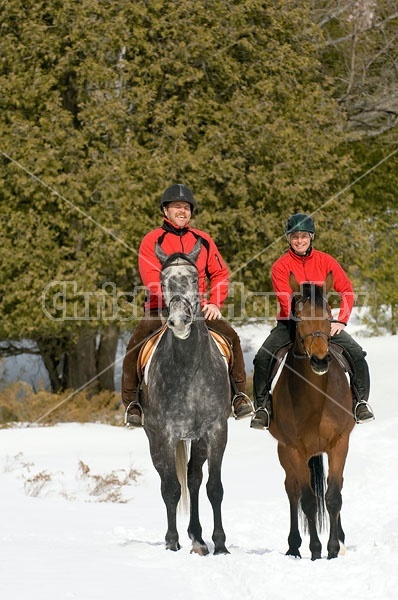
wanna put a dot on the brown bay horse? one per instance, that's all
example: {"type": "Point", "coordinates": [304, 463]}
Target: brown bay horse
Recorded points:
{"type": "Point", "coordinates": [312, 416]}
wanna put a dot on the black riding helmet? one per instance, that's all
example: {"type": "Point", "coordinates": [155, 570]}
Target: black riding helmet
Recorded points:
{"type": "Point", "coordinates": [175, 192]}
{"type": "Point", "coordinates": [300, 222]}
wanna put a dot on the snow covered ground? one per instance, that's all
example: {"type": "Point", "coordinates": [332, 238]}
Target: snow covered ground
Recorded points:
{"type": "Point", "coordinates": [62, 536]}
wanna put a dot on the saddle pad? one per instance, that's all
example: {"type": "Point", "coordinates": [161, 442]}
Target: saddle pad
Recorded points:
{"type": "Point", "coordinates": [149, 346]}
{"type": "Point", "coordinates": [222, 344]}
{"type": "Point", "coordinates": [279, 363]}
{"type": "Point", "coordinates": [147, 350]}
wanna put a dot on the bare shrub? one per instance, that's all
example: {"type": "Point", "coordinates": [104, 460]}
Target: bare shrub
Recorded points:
{"type": "Point", "coordinates": [108, 487]}
{"type": "Point", "coordinates": [34, 486]}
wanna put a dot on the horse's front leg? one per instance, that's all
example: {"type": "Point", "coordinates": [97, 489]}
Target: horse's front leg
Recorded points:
{"type": "Point", "coordinates": [333, 496]}
{"type": "Point", "coordinates": [195, 477]}
{"type": "Point", "coordinates": [309, 506]}
{"type": "Point", "coordinates": [293, 494]}
{"type": "Point", "coordinates": [215, 491]}
{"type": "Point", "coordinates": [164, 461]}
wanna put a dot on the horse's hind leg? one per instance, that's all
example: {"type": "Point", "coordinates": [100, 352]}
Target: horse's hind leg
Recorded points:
{"type": "Point", "coordinates": [215, 490]}
{"type": "Point", "coordinates": [195, 476]}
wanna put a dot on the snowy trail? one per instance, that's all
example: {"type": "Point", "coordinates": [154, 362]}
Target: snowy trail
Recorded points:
{"type": "Point", "coordinates": [61, 542]}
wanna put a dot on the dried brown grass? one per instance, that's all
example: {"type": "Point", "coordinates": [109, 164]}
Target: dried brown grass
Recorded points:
{"type": "Point", "coordinates": [20, 404]}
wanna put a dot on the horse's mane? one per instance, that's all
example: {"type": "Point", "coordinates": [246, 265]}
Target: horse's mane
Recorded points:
{"type": "Point", "coordinates": [309, 291]}
{"type": "Point", "coordinates": [175, 256]}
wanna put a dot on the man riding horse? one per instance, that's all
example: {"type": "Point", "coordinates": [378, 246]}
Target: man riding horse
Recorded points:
{"type": "Point", "coordinates": [308, 265]}
{"type": "Point", "coordinates": [176, 235]}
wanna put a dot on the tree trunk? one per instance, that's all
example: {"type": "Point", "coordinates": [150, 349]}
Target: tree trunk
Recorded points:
{"type": "Point", "coordinates": [394, 312]}
{"type": "Point", "coordinates": [106, 355]}
{"type": "Point", "coordinates": [80, 364]}
{"type": "Point", "coordinates": [52, 351]}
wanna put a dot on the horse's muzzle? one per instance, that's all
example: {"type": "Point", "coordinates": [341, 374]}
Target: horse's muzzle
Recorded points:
{"type": "Point", "coordinates": [181, 328]}
{"type": "Point", "coordinates": [320, 366]}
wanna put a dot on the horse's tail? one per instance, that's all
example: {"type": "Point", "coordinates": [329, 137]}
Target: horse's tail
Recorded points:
{"type": "Point", "coordinates": [182, 467]}
{"type": "Point", "coordinates": [315, 465]}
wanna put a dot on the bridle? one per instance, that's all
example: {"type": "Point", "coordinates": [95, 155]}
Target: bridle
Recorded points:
{"type": "Point", "coordinates": [187, 305]}
{"type": "Point", "coordinates": [313, 334]}
{"type": "Point", "coordinates": [168, 264]}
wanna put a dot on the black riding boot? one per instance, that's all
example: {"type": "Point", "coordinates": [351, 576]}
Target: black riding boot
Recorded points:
{"type": "Point", "coordinates": [361, 408]}
{"type": "Point", "coordinates": [363, 413]}
{"type": "Point", "coordinates": [262, 415]}
{"type": "Point", "coordinates": [263, 363]}
{"type": "Point", "coordinates": [133, 416]}
{"type": "Point", "coordinates": [360, 379]}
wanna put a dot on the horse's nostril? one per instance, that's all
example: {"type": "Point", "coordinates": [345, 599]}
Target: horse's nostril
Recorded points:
{"type": "Point", "coordinates": [171, 323]}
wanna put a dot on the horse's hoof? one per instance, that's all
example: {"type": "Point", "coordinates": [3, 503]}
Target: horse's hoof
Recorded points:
{"type": "Point", "coordinates": [222, 550]}
{"type": "Point", "coordinates": [294, 553]}
{"type": "Point", "coordinates": [173, 546]}
{"type": "Point", "coordinates": [200, 549]}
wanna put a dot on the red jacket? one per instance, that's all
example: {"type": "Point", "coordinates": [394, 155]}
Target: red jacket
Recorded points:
{"type": "Point", "coordinates": [314, 269]}
{"type": "Point", "coordinates": [210, 264]}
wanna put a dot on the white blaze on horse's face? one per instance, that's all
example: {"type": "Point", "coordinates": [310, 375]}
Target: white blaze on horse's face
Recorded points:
{"type": "Point", "coordinates": [180, 292]}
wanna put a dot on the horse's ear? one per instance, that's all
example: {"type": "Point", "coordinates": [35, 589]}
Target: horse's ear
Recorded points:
{"type": "Point", "coordinates": [161, 255]}
{"type": "Point", "coordinates": [329, 282]}
{"type": "Point", "coordinates": [193, 255]}
{"type": "Point", "coordinates": [294, 285]}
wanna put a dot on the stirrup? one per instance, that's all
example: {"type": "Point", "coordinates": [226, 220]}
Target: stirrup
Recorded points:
{"type": "Point", "coordinates": [139, 420]}
{"type": "Point", "coordinates": [245, 410]}
{"type": "Point", "coordinates": [369, 409]}
{"type": "Point", "coordinates": [261, 423]}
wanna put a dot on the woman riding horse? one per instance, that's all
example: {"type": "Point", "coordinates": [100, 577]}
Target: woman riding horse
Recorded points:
{"type": "Point", "coordinates": [308, 264]}
{"type": "Point", "coordinates": [312, 417]}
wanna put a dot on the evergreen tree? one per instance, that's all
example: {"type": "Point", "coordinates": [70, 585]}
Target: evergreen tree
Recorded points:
{"type": "Point", "coordinates": [103, 105]}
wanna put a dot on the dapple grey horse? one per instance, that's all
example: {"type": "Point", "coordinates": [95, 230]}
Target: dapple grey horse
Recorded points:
{"type": "Point", "coordinates": [186, 403]}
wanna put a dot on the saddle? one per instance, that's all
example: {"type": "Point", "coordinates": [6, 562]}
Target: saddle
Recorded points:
{"type": "Point", "coordinates": [337, 352]}
{"type": "Point", "coordinates": [148, 348]}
